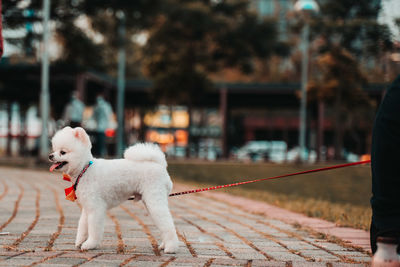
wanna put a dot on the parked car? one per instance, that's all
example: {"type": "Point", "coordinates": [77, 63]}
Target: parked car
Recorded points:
{"type": "Point", "coordinates": [293, 155]}
{"type": "Point", "coordinates": [277, 152]}
{"type": "Point", "coordinates": [254, 151]}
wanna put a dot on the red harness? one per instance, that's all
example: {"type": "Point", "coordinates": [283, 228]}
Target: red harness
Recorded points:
{"type": "Point", "coordinates": [70, 191]}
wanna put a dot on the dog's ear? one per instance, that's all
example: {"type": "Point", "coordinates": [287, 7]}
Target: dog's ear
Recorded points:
{"type": "Point", "coordinates": [81, 134]}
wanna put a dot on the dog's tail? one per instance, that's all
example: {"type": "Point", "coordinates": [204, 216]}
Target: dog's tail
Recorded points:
{"type": "Point", "coordinates": [146, 152]}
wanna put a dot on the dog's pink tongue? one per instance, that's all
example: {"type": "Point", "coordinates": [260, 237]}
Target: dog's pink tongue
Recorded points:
{"type": "Point", "coordinates": [55, 165]}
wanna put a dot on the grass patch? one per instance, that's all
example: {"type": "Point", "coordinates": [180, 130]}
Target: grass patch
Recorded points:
{"type": "Point", "coordinates": [340, 196]}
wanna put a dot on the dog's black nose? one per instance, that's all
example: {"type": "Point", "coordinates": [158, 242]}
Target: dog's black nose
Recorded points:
{"type": "Point", "coordinates": [51, 156]}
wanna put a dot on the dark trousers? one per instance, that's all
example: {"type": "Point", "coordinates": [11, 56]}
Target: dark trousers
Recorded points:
{"type": "Point", "coordinates": [385, 161]}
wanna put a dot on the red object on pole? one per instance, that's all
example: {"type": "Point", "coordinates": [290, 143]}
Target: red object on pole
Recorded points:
{"type": "Point", "coordinates": [1, 35]}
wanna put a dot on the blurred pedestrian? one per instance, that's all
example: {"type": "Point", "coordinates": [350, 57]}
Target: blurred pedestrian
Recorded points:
{"type": "Point", "coordinates": [101, 114]}
{"type": "Point", "coordinates": [73, 112]}
{"type": "Point", "coordinates": [33, 129]}
{"type": "Point", "coordinates": [385, 201]}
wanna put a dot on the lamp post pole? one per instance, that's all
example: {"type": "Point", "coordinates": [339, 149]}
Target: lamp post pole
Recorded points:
{"type": "Point", "coordinates": [306, 8]}
{"type": "Point", "coordinates": [44, 94]}
{"type": "Point", "coordinates": [303, 101]}
{"type": "Point", "coordinates": [121, 83]}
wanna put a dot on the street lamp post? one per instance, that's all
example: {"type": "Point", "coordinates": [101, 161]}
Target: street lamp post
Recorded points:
{"type": "Point", "coordinates": [44, 94]}
{"type": "Point", "coordinates": [121, 83]}
{"type": "Point", "coordinates": [305, 7]}
{"type": "Point", "coordinates": [303, 101]}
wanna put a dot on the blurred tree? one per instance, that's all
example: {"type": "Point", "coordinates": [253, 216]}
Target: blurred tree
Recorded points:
{"type": "Point", "coordinates": [348, 32]}
{"type": "Point", "coordinates": [86, 29]}
{"type": "Point", "coordinates": [139, 14]}
{"type": "Point", "coordinates": [191, 39]}
{"type": "Point", "coordinates": [340, 85]}
{"type": "Point", "coordinates": [22, 14]}
{"type": "Point", "coordinates": [353, 25]}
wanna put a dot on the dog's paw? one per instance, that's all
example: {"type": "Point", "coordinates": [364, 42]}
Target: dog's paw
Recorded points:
{"type": "Point", "coordinates": [78, 242]}
{"type": "Point", "coordinates": [89, 244]}
{"type": "Point", "coordinates": [161, 246]}
{"type": "Point", "coordinates": [171, 247]}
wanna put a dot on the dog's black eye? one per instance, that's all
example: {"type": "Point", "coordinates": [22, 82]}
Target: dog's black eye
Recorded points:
{"type": "Point", "coordinates": [62, 152]}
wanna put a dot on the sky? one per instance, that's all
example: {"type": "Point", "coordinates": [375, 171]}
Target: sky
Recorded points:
{"type": "Point", "coordinates": [391, 11]}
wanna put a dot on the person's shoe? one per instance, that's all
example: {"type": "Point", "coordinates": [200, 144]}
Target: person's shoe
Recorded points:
{"type": "Point", "coordinates": [386, 254]}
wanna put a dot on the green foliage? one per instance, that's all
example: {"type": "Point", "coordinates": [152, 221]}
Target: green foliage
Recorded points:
{"type": "Point", "coordinates": [139, 13]}
{"type": "Point", "coordinates": [353, 25]}
{"type": "Point", "coordinates": [191, 39]}
{"type": "Point", "coordinates": [76, 46]}
{"type": "Point", "coordinates": [63, 13]}
{"type": "Point", "coordinates": [340, 84]}
{"type": "Point", "coordinates": [339, 75]}
{"type": "Point", "coordinates": [79, 48]}
{"type": "Point", "coordinates": [348, 32]}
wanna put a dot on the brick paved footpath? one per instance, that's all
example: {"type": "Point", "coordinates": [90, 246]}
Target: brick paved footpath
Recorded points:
{"type": "Point", "coordinates": [42, 227]}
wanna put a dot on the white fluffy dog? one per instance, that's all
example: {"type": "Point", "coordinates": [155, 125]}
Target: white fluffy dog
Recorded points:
{"type": "Point", "coordinates": [107, 183]}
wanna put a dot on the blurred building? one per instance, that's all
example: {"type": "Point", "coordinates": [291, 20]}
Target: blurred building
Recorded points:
{"type": "Point", "coordinates": [226, 118]}
{"type": "Point", "coordinates": [230, 116]}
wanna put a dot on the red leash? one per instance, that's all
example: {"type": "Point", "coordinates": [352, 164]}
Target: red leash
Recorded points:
{"type": "Point", "coordinates": [269, 178]}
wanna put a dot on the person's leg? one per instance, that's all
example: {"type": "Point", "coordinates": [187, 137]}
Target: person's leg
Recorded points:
{"type": "Point", "coordinates": [373, 237]}
{"type": "Point", "coordinates": [385, 201]}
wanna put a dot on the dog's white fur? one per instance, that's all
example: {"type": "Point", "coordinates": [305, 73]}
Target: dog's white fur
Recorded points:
{"type": "Point", "coordinates": [108, 183]}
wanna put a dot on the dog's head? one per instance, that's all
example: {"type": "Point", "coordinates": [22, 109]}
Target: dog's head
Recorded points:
{"type": "Point", "coordinates": [71, 149]}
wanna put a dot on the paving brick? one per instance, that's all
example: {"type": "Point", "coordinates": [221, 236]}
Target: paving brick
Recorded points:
{"type": "Point", "coordinates": [307, 264]}
{"type": "Point", "coordinates": [53, 265]}
{"type": "Point", "coordinates": [341, 264]}
{"type": "Point", "coordinates": [70, 261]}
